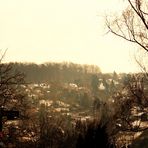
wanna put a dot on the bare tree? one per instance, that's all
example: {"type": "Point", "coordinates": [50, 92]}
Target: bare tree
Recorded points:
{"type": "Point", "coordinates": [132, 102]}
{"type": "Point", "coordinates": [11, 82]}
{"type": "Point", "coordinates": [131, 110]}
{"type": "Point", "coordinates": [132, 25]}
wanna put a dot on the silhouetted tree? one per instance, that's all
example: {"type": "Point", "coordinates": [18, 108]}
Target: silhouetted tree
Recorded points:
{"type": "Point", "coordinates": [132, 24]}
{"type": "Point", "coordinates": [94, 84]}
{"type": "Point", "coordinates": [11, 81]}
{"type": "Point", "coordinates": [130, 105]}
{"type": "Point", "coordinates": [94, 136]}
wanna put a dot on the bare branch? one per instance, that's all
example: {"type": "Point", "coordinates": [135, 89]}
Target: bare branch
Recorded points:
{"type": "Point", "coordinates": [138, 11]}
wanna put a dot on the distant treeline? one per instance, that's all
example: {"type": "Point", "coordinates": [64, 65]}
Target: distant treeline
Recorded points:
{"type": "Point", "coordinates": [57, 72]}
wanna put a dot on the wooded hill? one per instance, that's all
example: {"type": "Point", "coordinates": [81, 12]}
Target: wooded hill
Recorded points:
{"type": "Point", "coordinates": [57, 72]}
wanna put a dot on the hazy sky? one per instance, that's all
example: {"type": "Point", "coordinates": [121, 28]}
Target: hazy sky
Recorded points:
{"type": "Point", "coordinates": [63, 30]}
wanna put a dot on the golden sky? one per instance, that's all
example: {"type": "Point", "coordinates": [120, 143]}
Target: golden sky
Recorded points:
{"type": "Point", "coordinates": [63, 30]}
